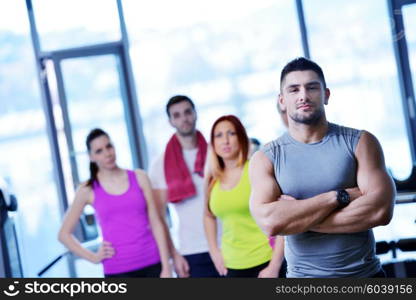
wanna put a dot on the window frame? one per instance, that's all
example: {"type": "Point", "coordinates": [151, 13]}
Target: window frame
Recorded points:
{"type": "Point", "coordinates": [406, 85]}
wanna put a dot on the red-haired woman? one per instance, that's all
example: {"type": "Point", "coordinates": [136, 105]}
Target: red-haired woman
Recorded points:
{"type": "Point", "coordinates": [245, 250]}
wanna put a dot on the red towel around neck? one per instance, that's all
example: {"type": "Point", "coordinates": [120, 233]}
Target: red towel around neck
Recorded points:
{"type": "Point", "coordinates": [178, 177]}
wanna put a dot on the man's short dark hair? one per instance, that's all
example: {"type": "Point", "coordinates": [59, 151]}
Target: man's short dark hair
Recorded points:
{"type": "Point", "coordinates": [176, 99]}
{"type": "Point", "coordinates": [302, 64]}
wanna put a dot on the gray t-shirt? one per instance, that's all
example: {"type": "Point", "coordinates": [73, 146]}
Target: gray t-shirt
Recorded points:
{"type": "Point", "coordinates": [306, 170]}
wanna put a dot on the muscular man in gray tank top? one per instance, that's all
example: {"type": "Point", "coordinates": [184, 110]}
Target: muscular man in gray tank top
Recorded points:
{"type": "Point", "coordinates": [322, 185]}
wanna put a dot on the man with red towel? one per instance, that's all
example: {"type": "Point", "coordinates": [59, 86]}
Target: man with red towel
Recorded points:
{"type": "Point", "coordinates": [177, 180]}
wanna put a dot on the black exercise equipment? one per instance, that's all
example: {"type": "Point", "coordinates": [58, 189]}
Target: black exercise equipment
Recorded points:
{"type": "Point", "coordinates": [398, 268]}
{"type": "Point", "coordinates": [10, 262]}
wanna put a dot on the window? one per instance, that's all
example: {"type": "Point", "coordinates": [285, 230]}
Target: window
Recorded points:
{"type": "Point", "coordinates": [25, 159]}
{"type": "Point", "coordinates": [93, 99]}
{"type": "Point", "coordinates": [361, 72]}
{"type": "Point", "coordinates": [227, 60]}
{"type": "Point", "coordinates": [409, 19]}
{"type": "Point", "coordinates": [66, 24]}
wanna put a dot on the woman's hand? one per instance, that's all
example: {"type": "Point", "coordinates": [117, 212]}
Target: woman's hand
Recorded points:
{"type": "Point", "coordinates": [105, 251]}
{"type": "Point", "coordinates": [269, 272]}
{"type": "Point", "coordinates": [218, 261]}
{"type": "Point", "coordinates": [166, 272]}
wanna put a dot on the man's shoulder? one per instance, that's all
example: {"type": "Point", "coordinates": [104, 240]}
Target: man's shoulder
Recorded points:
{"type": "Point", "coordinates": [349, 136]}
{"type": "Point", "coordinates": [157, 172]}
{"type": "Point", "coordinates": [344, 130]}
{"type": "Point", "coordinates": [280, 141]}
{"type": "Point", "coordinates": [272, 148]}
{"type": "Point", "coordinates": [157, 161]}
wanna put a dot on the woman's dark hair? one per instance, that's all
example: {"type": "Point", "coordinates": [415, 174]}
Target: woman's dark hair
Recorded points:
{"type": "Point", "coordinates": [95, 133]}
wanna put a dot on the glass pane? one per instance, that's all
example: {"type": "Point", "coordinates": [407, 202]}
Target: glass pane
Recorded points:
{"type": "Point", "coordinates": [25, 157]}
{"type": "Point", "coordinates": [65, 24]}
{"type": "Point", "coordinates": [92, 87]}
{"type": "Point", "coordinates": [227, 60]}
{"type": "Point", "coordinates": [402, 226]}
{"type": "Point", "coordinates": [361, 72]}
{"type": "Point", "coordinates": [409, 19]}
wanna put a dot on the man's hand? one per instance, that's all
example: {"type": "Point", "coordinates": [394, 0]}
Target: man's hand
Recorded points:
{"type": "Point", "coordinates": [181, 265]}
{"type": "Point", "coordinates": [374, 207]}
{"type": "Point", "coordinates": [354, 193]}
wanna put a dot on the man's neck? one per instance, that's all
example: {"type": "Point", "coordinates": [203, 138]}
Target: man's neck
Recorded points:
{"type": "Point", "coordinates": [308, 134]}
{"type": "Point", "coordinates": [187, 142]}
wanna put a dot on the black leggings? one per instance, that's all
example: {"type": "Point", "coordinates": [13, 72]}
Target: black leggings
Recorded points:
{"type": "Point", "coordinates": [201, 265]}
{"type": "Point", "coordinates": [150, 271]}
{"type": "Point", "coordinates": [250, 272]}
{"type": "Point", "coordinates": [254, 271]}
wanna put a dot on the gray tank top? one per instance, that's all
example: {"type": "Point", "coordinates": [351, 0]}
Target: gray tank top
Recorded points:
{"type": "Point", "coordinates": [306, 170]}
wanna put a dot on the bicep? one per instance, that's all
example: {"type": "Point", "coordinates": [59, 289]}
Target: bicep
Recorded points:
{"type": "Point", "coordinates": [146, 187]}
{"type": "Point", "coordinates": [155, 216]}
{"type": "Point", "coordinates": [208, 184]}
{"type": "Point", "coordinates": [374, 182]}
{"type": "Point", "coordinates": [82, 198]}
{"type": "Point", "coordinates": [372, 175]}
{"type": "Point", "coordinates": [264, 187]}
{"type": "Point", "coordinates": [160, 197]}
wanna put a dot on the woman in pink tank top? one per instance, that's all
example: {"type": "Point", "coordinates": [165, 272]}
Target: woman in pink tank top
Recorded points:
{"type": "Point", "coordinates": [136, 241]}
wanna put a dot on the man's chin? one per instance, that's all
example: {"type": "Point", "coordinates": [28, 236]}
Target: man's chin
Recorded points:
{"type": "Point", "coordinates": [187, 133]}
{"type": "Point", "coordinates": [307, 120]}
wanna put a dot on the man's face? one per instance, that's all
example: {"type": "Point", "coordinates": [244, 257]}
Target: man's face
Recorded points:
{"type": "Point", "coordinates": [183, 118]}
{"type": "Point", "coordinates": [303, 97]}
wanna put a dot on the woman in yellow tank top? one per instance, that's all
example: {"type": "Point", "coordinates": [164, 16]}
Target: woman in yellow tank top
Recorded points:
{"type": "Point", "coordinates": [245, 250]}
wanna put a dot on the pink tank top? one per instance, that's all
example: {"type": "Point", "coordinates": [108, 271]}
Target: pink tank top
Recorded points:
{"type": "Point", "coordinates": [125, 224]}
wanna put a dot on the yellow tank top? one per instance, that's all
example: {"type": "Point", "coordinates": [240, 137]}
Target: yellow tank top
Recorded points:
{"type": "Point", "coordinates": [243, 244]}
